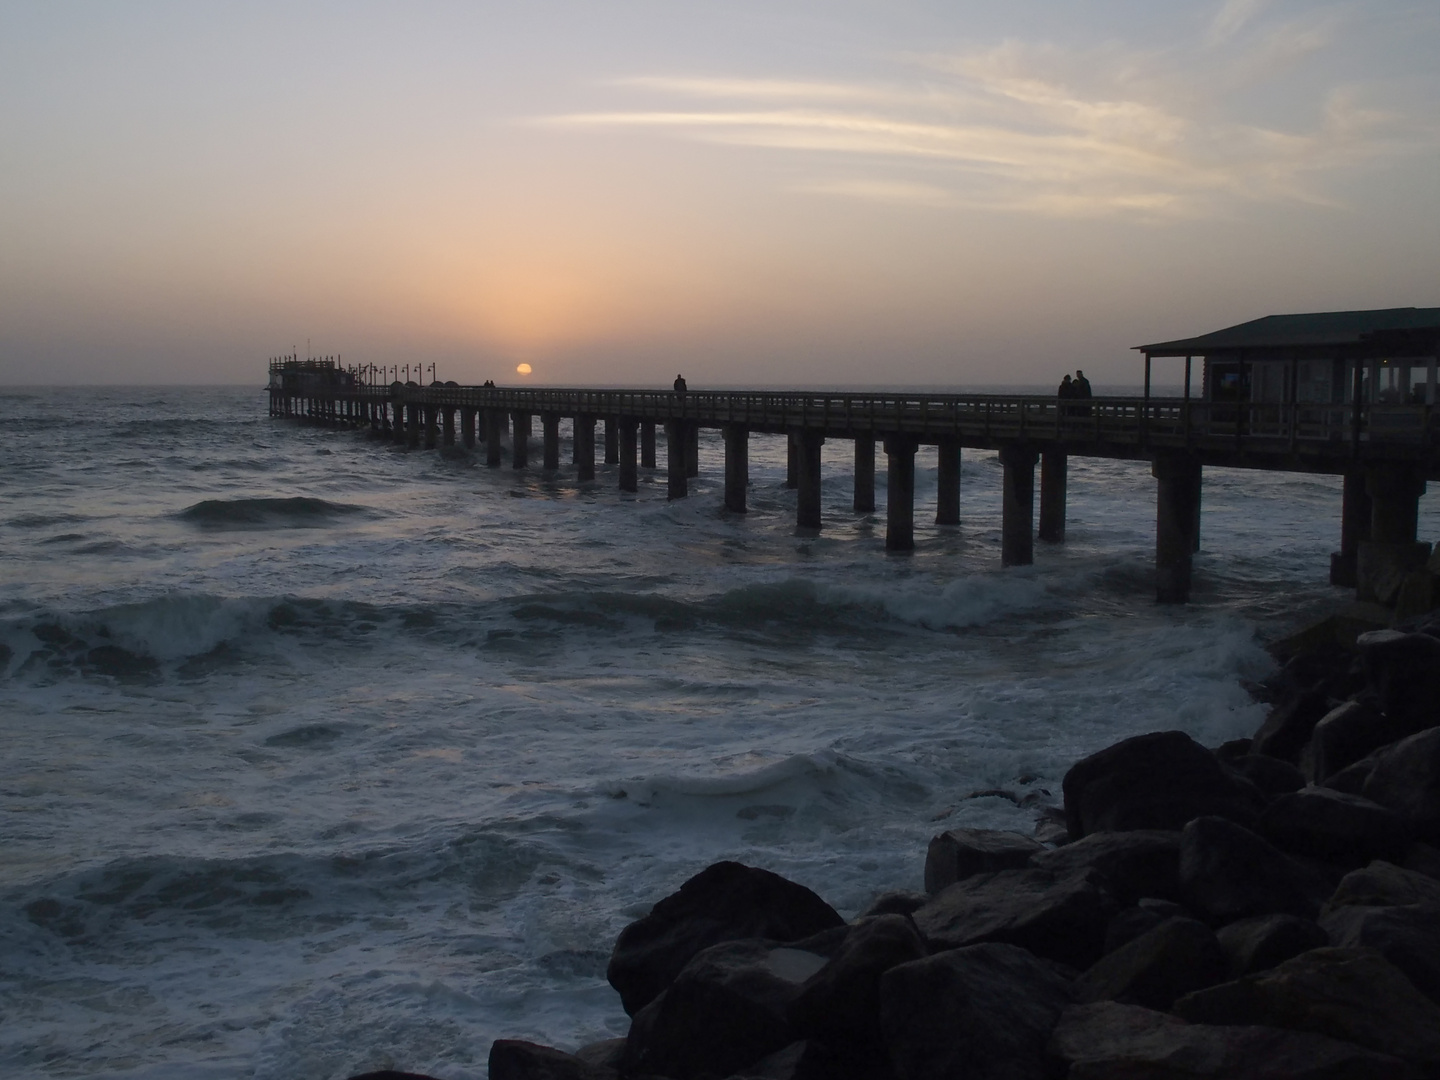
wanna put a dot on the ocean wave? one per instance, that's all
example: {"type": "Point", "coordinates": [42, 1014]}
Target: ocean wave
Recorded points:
{"type": "Point", "coordinates": [297, 512]}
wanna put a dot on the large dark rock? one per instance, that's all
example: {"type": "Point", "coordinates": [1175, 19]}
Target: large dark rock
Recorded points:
{"type": "Point", "coordinates": [724, 902]}
{"type": "Point", "coordinates": [1156, 781]}
{"type": "Point", "coordinates": [1288, 728]}
{"type": "Point", "coordinates": [1111, 1041]}
{"type": "Point", "coordinates": [514, 1059]}
{"type": "Point", "coordinates": [1261, 942]}
{"type": "Point", "coordinates": [1423, 859]}
{"type": "Point", "coordinates": [1348, 733]}
{"type": "Point", "coordinates": [1228, 873]}
{"type": "Point", "coordinates": [1329, 824]}
{"type": "Point", "coordinates": [783, 1064]}
{"type": "Point", "coordinates": [1408, 936]}
{"type": "Point", "coordinates": [1352, 994]}
{"type": "Point", "coordinates": [840, 1003]}
{"type": "Point", "coordinates": [1127, 924]}
{"type": "Point", "coordinates": [1406, 778]}
{"type": "Point", "coordinates": [1353, 778]}
{"type": "Point", "coordinates": [1271, 775]}
{"type": "Point", "coordinates": [896, 902]}
{"type": "Point", "coordinates": [1174, 958]}
{"type": "Point", "coordinates": [1138, 863]}
{"type": "Point", "coordinates": [1059, 917]}
{"type": "Point", "coordinates": [959, 853]}
{"type": "Point", "coordinates": [982, 1012]}
{"type": "Point", "coordinates": [1383, 884]}
{"type": "Point", "coordinates": [726, 1010]}
{"type": "Point", "coordinates": [607, 1053]}
{"type": "Point", "coordinates": [1404, 669]}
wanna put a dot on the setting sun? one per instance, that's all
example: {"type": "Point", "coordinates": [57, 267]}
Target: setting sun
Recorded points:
{"type": "Point", "coordinates": [522, 369]}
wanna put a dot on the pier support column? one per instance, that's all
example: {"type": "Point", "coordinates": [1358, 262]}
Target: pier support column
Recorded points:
{"type": "Point", "coordinates": [584, 448]}
{"type": "Point", "coordinates": [1391, 552]}
{"type": "Point", "coordinates": [737, 467]}
{"type": "Point", "coordinates": [413, 424]}
{"type": "Point", "coordinates": [1177, 494]}
{"type": "Point", "coordinates": [865, 475]}
{"type": "Point", "coordinates": [807, 499]}
{"type": "Point", "coordinates": [1054, 472]}
{"type": "Point", "coordinates": [520, 440]}
{"type": "Point", "coordinates": [1354, 527]}
{"type": "Point", "coordinates": [432, 427]}
{"type": "Point", "coordinates": [677, 486]}
{"type": "Point", "coordinates": [647, 444]}
{"type": "Point", "coordinates": [550, 425]}
{"type": "Point", "coordinates": [468, 416]}
{"type": "Point", "coordinates": [692, 448]}
{"type": "Point", "coordinates": [1017, 505]}
{"type": "Point", "coordinates": [792, 460]}
{"type": "Point", "coordinates": [947, 475]}
{"type": "Point", "coordinates": [612, 442]}
{"type": "Point", "coordinates": [448, 412]}
{"type": "Point", "coordinates": [900, 492]}
{"type": "Point", "coordinates": [629, 478]}
{"type": "Point", "coordinates": [495, 423]}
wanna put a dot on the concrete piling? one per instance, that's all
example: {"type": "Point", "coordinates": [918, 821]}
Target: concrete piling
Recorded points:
{"type": "Point", "coordinates": [737, 467]}
{"type": "Point", "coordinates": [865, 475]}
{"type": "Point", "coordinates": [584, 448]}
{"type": "Point", "coordinates": [447, 412]}
{"type": "Point", "coordinates": [792, 460]}
{"type": "Point", "coordinates": [612, 442]}
{"type": "Point", "coordinates": [677, 486]}
{"type": "Point", "coordinates": [520, 440]}
{"type": "Point", "coordinates": [947, 475]}
{"type": "Point", "coordinates": [1354, 528]}
{"type": "Point", "coordinates": [1054, 473]}
{"type": "Point", "coordinates": [692, 448]}
{"type": "Point", "coordinates": [468, 415]}
{"type": "Point", "coordinates": [900, 492]}
{"type": "Point", "coordinates": [1177, 492]}
{"type": "Point", "coordinates": [496, 421]}
{"type": "Point", "coordinates": [807, 498]}
{"type": "Point", "coordinates": [647, 444]}
{"type": "Point", "coordinates": [550, 426]}
{"type": "Point", "coordinates": [1017, 507]}
{"type": "Point", "coordinates": [629, 478]}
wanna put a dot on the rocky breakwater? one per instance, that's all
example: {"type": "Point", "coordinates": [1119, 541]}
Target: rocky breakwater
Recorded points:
{"type": "Point", "coordinates": [1267, 909]}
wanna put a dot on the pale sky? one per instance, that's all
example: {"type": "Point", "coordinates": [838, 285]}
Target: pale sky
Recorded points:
{"type": "Point", "coordinates": [749, 191]}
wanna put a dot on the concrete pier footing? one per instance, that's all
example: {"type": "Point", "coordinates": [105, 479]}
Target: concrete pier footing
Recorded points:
{"type": "Point", "coordinates": [432, 427]}
{"type": "Point", "coordinates": [947, 476]}
{"type": "Point", "coordinates": [647, 444]}
{"type": "Point", "coordinates": [677, 486]}
{"type": "Point", "coordinates": [584, 448]}
{"type": "Point", "coordinates": [737, 467]}
{"type": "Point", "coordinates": [900, 492]}
{"type": "Point", "coordinates": [807, 500]}
{"type": "Point", "coordinates": [864, 502]}
{"type": "Point", "coordinates": [692, 448]}
{"type": "Point", "coordinates": [1017, 504]}
{"type": "Point", "coordinates": [520, 440]}
{"type": "Point", "coordinates": [1176, 497]}
{"type": "Point", "coordinates": [413, 424]}
{"type": "Point", "coordinates": [495, 422]}
{"type": "Point", "coordinates": [792, 459]}
{"type": "Point", "coordinates": [1054, 474]}
{"type": "Point", "coordinates": [612, 442]}
{"type": "Point", "coordinates": [447, 414]}
{"type": "Point", "coordinates": [1391, 552]}
{"type": "Point", "coordinates": [629, 474]}
{"type": "Point", "coordinates": [550, 427]}
{"type": "Point", "coordinates": [468, 416]}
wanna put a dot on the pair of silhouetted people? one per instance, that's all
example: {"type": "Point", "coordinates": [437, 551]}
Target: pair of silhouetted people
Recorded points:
{"type": "Point", "coordinates": [1078, 387]}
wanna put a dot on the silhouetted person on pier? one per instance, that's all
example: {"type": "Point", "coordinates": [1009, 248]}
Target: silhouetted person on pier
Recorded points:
{"type": "Point", "coordinates": [1067, 388]}
{"type": "Point", "coordinates": [680, 386]}
{"type": "Point", "coordinates": [1082, 390]}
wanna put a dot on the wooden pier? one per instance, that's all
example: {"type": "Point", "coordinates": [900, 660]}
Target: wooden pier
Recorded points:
{"type": "Point", "coordinates": [1385, 451]}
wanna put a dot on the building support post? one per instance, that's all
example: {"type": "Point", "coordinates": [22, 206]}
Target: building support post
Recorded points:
{"type": "Point", "coordinates": [647, 444]}
{"type": "Point", "coordinates": [550, 426]}
{"type": "Point", "coordinates": [807, 500]}
{"type": "Point", "coordinates": [1017, 505]}
{"type": "Point", "coordinates": [584, 448]}
{"type": "Point", "coordinates": [1354, 528]}
{"type": "Point", "coordinates": [676, 485]}
{"type": "Point", "coordinates": [947, 475]}
{"type": "Point", "coordinates": [629, 480]}
{"type": "Point", "coordinates": [520, 440]}
{"type": "Point", "coordinates": [865, 474]}
{"type": "Point", "coordinates": [1054, 472]}
{"type": "Point", "coordinates": [900, 492]}
{"type": "Point", "coordinates": [737, 467]}
{"type": "Point", "coordinates": [1391, 552]}
{"type": "Point", "coordinates": [1177, 494]}
{"type": "Point", "coordinates": [612, 442]}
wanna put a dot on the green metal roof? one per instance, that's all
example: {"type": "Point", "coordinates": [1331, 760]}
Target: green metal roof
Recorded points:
{"type": "Point", "coordinates": [1291, 331]}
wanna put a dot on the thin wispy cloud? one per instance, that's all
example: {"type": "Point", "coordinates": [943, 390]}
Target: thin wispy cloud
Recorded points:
{"type": "Point", "coordinates": [1042, 129]}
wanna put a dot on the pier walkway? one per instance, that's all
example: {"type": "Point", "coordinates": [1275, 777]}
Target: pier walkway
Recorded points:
{"type": "Point", "coordinates": [1385, 452]}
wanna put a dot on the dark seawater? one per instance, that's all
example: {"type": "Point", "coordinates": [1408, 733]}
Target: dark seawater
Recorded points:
{"type": "Point", "coordinates": [321, 756]}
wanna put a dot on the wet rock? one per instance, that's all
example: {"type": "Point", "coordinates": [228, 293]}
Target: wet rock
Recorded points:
{"type": "Point", "coordinates": [1289, 726]}
{"type": "Point", "coordinates": [1406, 778]}
{"type": "Point", "coordinates": [725, 1011]}
{"type": "Point", "coordinates": [1228, 873]}
{"type": "Point", "coordinates": [1271, 775]}
{"type": "Point", "coordinates": [1261, 942]}
{"type": "Point", "coordinates": [1110, 1041]}
{"type": "Point", "coordinates": [1423, 859]}
{"type": "Point", "coordinates": [1174, 958]}
{"type": "Point", "coordinates": [840, 1003]}
{"type": "Point", "coordinates": [1128, 924]}
{"type": "Point", "coordinates": [1404, 670]}
{"type": "Point", "coordinates": [1408, 936]}
{"type": "Point", "coordinates": [607, 1053]}
{"type": "Point", "coordinates": [1352, 778]}
{"type": "Point", "coordinates": [980, 1012]}
{"type": "Point", "coordinates": [1156, 781]}
{"type": "Point", "coordinates": [1135, 864]}
{"type": "Point", "coordinates": [897, 902]}
{"type": "Point", "coordinates": [1062, 918]}
{"type": "Point", "coordinates": [1348, 733]}
{"type": "Point", "coordinates": [1352, 994]}
{"type": "Point", "coordinates": [959, 853]}
{"type": "Point", "coordinates": [391, 1074]}
{"type": "Point", "coordinates": [514, 1059]}
{"type": "Point", "coordinates": [724, 902]}
{"type": "Point", "coordinates": [1383, 884]}
{"type": "Point", "coordinates": [784, 1064]}
{"type": "Point", "coordinates": [1330, 824]}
